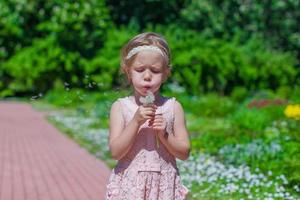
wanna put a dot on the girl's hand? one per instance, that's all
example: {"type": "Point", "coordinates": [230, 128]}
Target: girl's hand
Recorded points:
{"type": "Point", "coordinates": [144, 113]}
{"type": "Point", "coordinates": [159, 123]}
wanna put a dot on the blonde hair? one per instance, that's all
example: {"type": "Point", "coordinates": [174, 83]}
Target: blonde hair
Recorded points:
{"type": "Point", "coordinates": [148, 38]}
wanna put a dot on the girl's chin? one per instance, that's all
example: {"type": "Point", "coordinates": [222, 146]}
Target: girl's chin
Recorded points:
{"type": "Point", "coordinates": [144, 92]}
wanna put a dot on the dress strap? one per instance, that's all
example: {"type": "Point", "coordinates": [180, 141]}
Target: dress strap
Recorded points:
{"type": "Point", "coordinates": [127, 108]}
{"type": "Point", "coordinates": [173, 100]}
{"type": "Point", "coordinates": [122, 103]}
{"type": "Point", "coordinates": [170, 106]}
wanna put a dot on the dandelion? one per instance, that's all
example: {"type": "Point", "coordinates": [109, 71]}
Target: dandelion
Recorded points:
{"type": "Point", "coordinates": [148, 99]}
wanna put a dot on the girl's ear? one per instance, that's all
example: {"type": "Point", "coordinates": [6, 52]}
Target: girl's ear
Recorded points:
{"type": "Point", "coordinates": [167, 73]}
{"type": "Point", "coordinates": [127, 72]}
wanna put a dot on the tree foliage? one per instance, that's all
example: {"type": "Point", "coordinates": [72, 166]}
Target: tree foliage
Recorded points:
{"type": "Point", "coordinates": [216, 45]}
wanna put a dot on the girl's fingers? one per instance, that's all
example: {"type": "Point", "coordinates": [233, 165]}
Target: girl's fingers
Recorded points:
{"type": "Point", "coordinates": [149, 113]}
{"type": "Point", "coordinates": [158, 120]}
{"type": "Point", "coordinates": [158, 124]}
{"type": "Point", "coordinates": [158, 128]}
{"type": "Point", "coordinates": [150, 108]}
{"type": "Point", "coordinates": [148, 117]}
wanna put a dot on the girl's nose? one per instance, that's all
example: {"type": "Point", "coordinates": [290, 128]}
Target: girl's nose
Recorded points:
{"type": "Point", "coordinates": [147, 75]}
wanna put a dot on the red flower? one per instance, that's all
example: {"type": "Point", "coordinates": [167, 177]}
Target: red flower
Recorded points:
{"type": "Point", "coordinates": [266, 102]}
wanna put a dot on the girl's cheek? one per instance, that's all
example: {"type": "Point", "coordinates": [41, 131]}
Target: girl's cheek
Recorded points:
{"type": "Point", "coordinates": [159, 78]}
{"type": "Point", "coordinates": [134, 76]}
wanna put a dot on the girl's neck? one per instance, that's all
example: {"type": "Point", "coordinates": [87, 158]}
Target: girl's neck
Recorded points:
{"type": "Point", "coordinates": [158, 98]}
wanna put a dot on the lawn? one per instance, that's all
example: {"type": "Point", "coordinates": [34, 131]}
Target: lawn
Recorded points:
{"type": "Point", "coordinates": [241, 148]}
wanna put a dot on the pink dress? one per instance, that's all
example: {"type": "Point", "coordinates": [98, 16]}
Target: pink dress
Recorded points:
{"type": "Point", "coordinates": [146, 172]}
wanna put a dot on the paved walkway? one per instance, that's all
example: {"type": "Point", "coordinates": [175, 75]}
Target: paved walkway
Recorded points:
{"type": "Point", "coordinates": [37, 162]}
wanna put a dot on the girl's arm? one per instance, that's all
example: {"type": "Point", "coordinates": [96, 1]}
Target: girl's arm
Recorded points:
{"type": "Point", "coordinates": [122, 137]}
{"type": "Point", "coordinates": [178, 143]}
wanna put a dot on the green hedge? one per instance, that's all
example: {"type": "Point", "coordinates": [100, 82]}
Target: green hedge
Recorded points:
{"type": "Point", "coordinates": [37, 68]}
{"type": "Point", "coordinates": [202, 65]}
{"type": "Point", "coordinates": [277, 21]}
{"type": "Point", "coordinates": [42, 41]}
{"type": "Point", "coordinates": [199, 64]}
{"type": "Point", "coordinates": [77, 43]}
{"type": "Point", "coordinates": [78, 26]}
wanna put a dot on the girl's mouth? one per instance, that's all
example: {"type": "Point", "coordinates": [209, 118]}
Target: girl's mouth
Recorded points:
{"type": "Point", "coordinates": [146, 88]}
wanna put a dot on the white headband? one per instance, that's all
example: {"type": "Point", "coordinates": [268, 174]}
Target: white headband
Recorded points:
{"type": "Point", "coordinates": [137, 49]}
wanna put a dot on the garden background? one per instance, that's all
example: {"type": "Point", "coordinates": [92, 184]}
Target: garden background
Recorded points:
{"type": "Point", "coordinates": [235, 69]}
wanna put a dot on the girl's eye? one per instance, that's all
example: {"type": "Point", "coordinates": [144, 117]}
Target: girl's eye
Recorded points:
{"type": "Point", "coordinates": [156, 71]}
{"type": "Point", "coordinates": [139, 70]}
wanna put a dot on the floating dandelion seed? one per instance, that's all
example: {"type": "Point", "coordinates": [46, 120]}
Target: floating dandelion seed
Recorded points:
{"type": "Point", "coordinates": [81, 97]}
{"type": "Point", "coordinates": [36, 96]}
{"type": "Point", "coordinates": [67, 86]}
{"type": "Point", "coordinates": [68, 101]}
{"type": "Point", "coordinates": [33, 97]}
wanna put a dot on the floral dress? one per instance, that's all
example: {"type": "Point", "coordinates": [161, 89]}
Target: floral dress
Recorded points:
{"type": "Point", "coordinates": [147, 171]}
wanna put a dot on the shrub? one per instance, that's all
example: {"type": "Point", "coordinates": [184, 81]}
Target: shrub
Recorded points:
{"type": "Point", "coordinates": [276, 22]}
{"type": "Point", "coordinates": [42, 41]}
{"type": "Point", "coordinates": [239, 94]}
{"type": "Point", "coordinates": [104, 68]}
{"type": "Point", "coordinates": [254, 120]}
{"type": "Point", "coordinates": [210, 105]}
{"type": "Point", "coordinates": [36, 67]}
{"type": "Point", "coordinates": [201, 64]}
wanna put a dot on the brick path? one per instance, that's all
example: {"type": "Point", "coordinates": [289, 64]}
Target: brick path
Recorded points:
{"type": "Point", "coordinates": [37, 162]}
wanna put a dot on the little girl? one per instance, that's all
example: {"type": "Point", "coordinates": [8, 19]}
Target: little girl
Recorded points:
{"type": "Point", "coordinates": [146, 136]}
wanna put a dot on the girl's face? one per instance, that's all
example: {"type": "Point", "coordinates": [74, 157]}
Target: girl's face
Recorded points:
{"type": "Point", "coordinates": [147, 72]}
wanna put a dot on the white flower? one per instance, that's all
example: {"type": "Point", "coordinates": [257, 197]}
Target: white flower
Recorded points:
{"type": "Point", "coordinates": [148, 99]}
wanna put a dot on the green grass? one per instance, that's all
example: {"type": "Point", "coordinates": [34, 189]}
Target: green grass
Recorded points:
{"type": "Point", "coordinates": [213, 122]}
